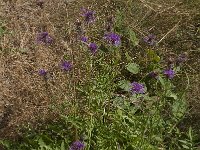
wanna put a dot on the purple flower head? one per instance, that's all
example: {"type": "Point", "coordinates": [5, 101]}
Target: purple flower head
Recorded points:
{"type": "Point", "coordinates": [88, 15]}
{"type": "Point", "coordinates": [182, 58]}
{"type": "Point", "coordinates": [66, 65]}
{"type": "Point", "coordinates": [84, 39]}
{"type": "Point", "coordinates": [44, 37]}
{"type": "Point", "coordinates": [137, 88]}
{"type": "Point", "coordinates": [42, 72]}
{"type": "Point", "coordinates": [169, 73]}
{"type": "Point", "coordinates": [153, 74]}
{"type": "Point", "coordinates": [113, 39]}
{"type": "Point", "coordinates": [77, 145]}
{"type": "Point", "coordinates": [93, 48]}
{"type": "Point", "coordinates": [150, 39]}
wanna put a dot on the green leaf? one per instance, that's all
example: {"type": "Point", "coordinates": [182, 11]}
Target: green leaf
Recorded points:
{"type": "Point", "coordinates": [119, 112]}
{"type": "Point", "coordinates": [152, 55]}
{"type": "Point", "coordinates": [133, 37]}
{"type": "Point", "coordinates": [179, 108]}
{"type": "Point", "coordinates": [171, 94]}
{"type": "Point", "coordinates": [119, 20]}
{"type": "Point", "coordinates": [133, 68]}
{"type": "Point", "coordinates": [125, 85]}
{"type": "Point", "coordinates": [62, 145]}
{"type": "Point", "coordinates": [162, 81]}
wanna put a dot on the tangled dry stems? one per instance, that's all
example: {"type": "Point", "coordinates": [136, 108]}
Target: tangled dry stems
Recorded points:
{"type": "Point", "coordinates": [28, 96]}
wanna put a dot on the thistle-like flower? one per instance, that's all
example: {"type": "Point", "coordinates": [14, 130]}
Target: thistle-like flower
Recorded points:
{"type": "Point", "coordinates": [88, 15]}
{"type": "Point", "coordinates": [66, 65]}
{"type": "Point", "coordinates": [93, 48]}
{"type": "Point", "coordinates": [137, 88]}
{"type": "Point", "coordinates": [113, 39]}
{"type": "Point", "coordinates": [169, 73]}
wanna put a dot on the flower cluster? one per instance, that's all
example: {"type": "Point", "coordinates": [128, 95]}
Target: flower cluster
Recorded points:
{"type": "Point", "coordinates": [65, 65]}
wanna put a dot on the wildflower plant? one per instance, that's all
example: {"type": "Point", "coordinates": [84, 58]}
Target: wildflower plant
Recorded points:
{"type": "Point", "coordinates": [117, 106]}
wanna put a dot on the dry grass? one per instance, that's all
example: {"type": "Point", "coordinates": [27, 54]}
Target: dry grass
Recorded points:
{"type": "Point", "coordinates": [25, 97]}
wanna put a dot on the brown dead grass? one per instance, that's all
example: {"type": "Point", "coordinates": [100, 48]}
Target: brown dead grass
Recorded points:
{"type": "Point", "coordinates": [28, 97]}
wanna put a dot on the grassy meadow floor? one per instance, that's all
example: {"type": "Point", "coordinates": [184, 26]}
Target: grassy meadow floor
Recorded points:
{"type": "Point", "coordinates": [26, 99]}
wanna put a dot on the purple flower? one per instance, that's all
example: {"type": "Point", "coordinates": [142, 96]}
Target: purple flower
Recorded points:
{"type": "Point", "coordinates": [93, 48]}
{"type": "Point", "coordinates": [42, 72]}
{"type": "Point", "coordinates": [88, 15]}
{"type": "Point", "coordinates": [153, 74]}
{"type": "Point", "coordinates": [137, 88]}
{"type": "Point", "coordinates": [77, 145]}
{"type": "Point", "coordinates": [113, 39]}
{"type": "Point", "coordinates": [169, 73]}
{"type": "Point", "coordinates": [84, 39]}
{"type": "Point", "coordinates": [66, 65]}
{"type": "Point", "coordinates": [150, 39]}
{"type": "Point", "coordinates": [44, 37]}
